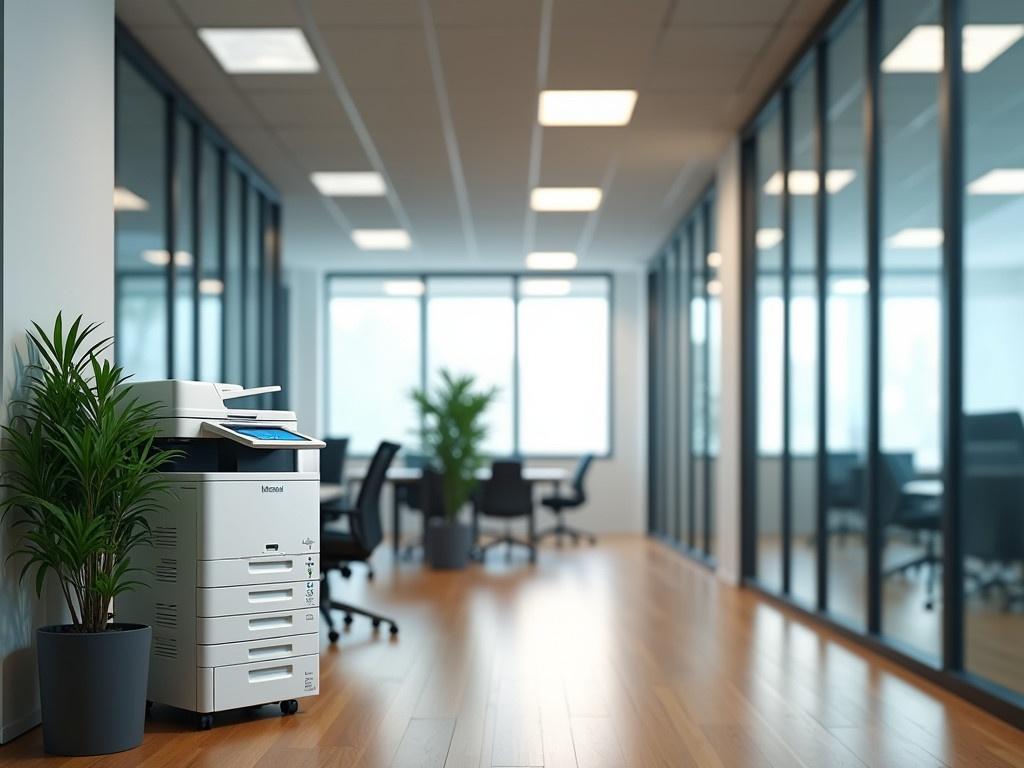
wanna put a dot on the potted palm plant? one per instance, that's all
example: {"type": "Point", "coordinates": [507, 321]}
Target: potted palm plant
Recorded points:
{"type": "Point", "coordinates": [452, 433]}
{"type": "Point", "coordinates": [80, 474]}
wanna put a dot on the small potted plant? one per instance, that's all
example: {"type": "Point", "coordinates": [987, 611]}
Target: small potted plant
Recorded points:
{"type": "Point", "coordinates": [452, 433]}
{"type": "Point", "coordinates": [80, 474]}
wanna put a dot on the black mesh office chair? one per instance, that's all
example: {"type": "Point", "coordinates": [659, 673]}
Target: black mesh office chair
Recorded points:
{"type": "Point", "coordinates": [332, 471]}
{"type": "Point", "coordinates": [338, 548]}
{"type": "Point", "coordinates": [508, 496]}
{"type": "Point", "coordinates": [559, 504]}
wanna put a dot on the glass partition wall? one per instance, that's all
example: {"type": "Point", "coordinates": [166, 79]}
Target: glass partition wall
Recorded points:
{"type": "Point", "coordinates": [884, 472]}
{"type": "Point", "coordinates": [685, 325]}
{"type": "Point", "coordinates": [196, 238]}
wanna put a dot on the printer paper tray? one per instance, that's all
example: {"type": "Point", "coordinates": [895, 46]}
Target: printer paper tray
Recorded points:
{"type": "Point", "coordinates": [256, 626]}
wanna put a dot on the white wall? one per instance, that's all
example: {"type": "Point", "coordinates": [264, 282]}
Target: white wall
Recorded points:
{"type": "Point", "coordinates": [58, 237]}
{"type": "Point", "coordinates": [617, 486]}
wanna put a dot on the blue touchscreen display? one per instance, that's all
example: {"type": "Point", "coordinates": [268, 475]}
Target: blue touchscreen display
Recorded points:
{"type": "Point", "coordinates": [267, 433]}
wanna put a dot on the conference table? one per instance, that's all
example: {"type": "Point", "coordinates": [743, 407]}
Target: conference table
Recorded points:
{"type": "Point", "coordinates": [405, 477]}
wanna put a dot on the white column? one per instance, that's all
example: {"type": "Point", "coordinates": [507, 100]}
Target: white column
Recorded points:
{"type": "Point", "coordinates": [58, 240]}
{"type": "Point", "coordinates": [727, 482]}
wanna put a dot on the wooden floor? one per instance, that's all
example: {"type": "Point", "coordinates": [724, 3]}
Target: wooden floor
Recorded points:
{"type": "Point", "coordinates": [620, 655]}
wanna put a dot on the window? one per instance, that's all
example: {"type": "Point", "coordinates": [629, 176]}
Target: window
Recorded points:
{"type": "Point", "coordinates": [684, 371]}
{"type": "Point", "coordinates": [389, 335]}
{"type": "Point", "coordinates": [992, 450]}
{"type": "Point", "coordinates": [564, 372]}
{"type": "Point", "coordinates": [484, 347]}
{"type": "Point", "coordinates": [185, 203]}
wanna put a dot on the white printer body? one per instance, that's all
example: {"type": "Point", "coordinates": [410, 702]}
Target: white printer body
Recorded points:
{"type": "Point", "coordinates": [233, 575]}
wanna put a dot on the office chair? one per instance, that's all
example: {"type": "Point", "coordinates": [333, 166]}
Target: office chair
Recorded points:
{"type": "Point", "coordinates": [918, 514]}
{"type": "Point", "coordinates": [993, 499]}
{"type": "Point", "coordinates": [339, 548]}
{"type": "Point", "coordinates": [332, 470]}
{"type": "Point", "coordinates": [559, 504]}
{"type": "Point", "coordinates": [506, 495]}
{"type": "Point", "coordinates": [844, 477]}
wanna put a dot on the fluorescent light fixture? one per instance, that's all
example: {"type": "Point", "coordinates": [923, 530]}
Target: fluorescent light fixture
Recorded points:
{"type": "Point", "coordinates": [921, 51]}
{"type": "Point", "coordinates": [806, 182]}
{"type": "Point", "coordinates": [999, 181]}
{"type": "Point", "coordinates": [565, 198]}
{"type": "Point", "coordinates": [551, 260]}
{"type": "Point", "coordinates": [768, 237]}
{"type": "Point", "coordinates": [714, 259]}
{"type": "Point", "coordinates": [586, 108]}
{"type": "Point", "coordinates": [349, 183]}
{"type": "Point", "coordinates": [714, 287]}
{"type": "Point", "coordinates": [160, 258]}
{"type": "Point", "coordinates": [404, 288]}
{"type": "Point", "coordinates": [126, 200]}
{"type": "Point", "coordinates": [916, 237]}
{"type": "Point", "coordinates": [545, 287]}
{"type": "Point", "coordinates": [211, 286]}
{"type": "Point", "coordinates": [850, 286]}
{"type": "Point", "coordinates": [381, 239]}
{"type": "Point", "coordinates": [260, 51]}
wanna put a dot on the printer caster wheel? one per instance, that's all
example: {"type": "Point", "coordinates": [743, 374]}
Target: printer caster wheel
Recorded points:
{"type": "Point", "coordinates": [333, 635]}
{"type": "Point", "coordinates": [204, 722]}
{"type": "Point", "coordinates": [289, 707]}
{"type": "Point", "coordinates": [149, 708]}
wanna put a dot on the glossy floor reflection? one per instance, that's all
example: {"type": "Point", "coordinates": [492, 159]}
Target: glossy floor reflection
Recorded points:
{"type": "Point", "coordinates": [994, 632]}
{"type": "Point", "coordinates": [624, 654]}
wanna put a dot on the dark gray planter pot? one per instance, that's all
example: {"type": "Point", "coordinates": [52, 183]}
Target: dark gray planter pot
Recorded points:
{"type": "Point", "coordinates": [447, 544]}
{"type": "Point", "coordinates": [92, 688]}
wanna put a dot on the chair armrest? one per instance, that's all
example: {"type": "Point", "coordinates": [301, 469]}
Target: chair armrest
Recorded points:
{"type": "Point", "coordinates": [334, 511]}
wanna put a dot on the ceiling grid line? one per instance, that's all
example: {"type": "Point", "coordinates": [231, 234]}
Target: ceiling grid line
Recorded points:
{"type": "Point", "coordinates": [348, 104]}
{"type": "Point", "coordinates": [451, 142]}
{"type": "Point", "coordinates": [537, 134]}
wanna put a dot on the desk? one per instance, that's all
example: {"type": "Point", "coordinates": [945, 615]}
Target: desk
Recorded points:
{"type": "Point", "coordinates": [408, 476]}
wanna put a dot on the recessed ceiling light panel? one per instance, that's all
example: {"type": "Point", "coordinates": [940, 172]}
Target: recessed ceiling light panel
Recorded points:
{"type": "Point", "coordinates": [586, 108]}
{"type": "Point", "coordinates": [551, 260]}
{"type": "Point", "coordinates": [349, 183]}
{"type": "Point", "coordinates": [381, 239]}
{"type": "Point", "coordinates": [999, 181]}
{"type": "Point", "coordinates": [565, 198]}
{"type": "Point", "coordinates": [260, 50]}
{"type": "Point", "coordinates": [126, 200]}
{"type": "Point", "coordinates": [806, 182]}
{"type": "Point", "coordinates": [921, 51]}
{"type": "Point", "coordinates": [404, 288]}
{"type": "Point", "coordinates": [537, 287]}
{"type": "Point", "coordinates": [916, 237]}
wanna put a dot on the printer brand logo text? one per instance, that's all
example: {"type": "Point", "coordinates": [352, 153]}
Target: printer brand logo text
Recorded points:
{"type": "Point", "coordinates": [273, 489]}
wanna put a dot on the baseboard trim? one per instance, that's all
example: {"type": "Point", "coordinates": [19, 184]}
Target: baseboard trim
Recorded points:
{"type": "Point", "coordinates": [16, 728]}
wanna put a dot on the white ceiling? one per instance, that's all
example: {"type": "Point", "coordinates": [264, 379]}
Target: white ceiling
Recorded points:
{"type": "Point", "coordinates": [441, 95]}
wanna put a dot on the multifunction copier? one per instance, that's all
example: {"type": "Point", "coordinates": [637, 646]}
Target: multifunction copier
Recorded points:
{"type": "Point", "coordinates": [233, 572]}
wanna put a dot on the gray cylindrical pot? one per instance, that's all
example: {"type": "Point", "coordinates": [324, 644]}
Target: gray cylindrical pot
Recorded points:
{"type": "Point", "coordinates": [447, 544]}
{"type": "Point", "coordinates": [92, 688]}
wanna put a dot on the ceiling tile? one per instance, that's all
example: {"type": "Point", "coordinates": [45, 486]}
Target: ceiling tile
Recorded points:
{"type": "Point", "coordinates": [600, 57]}
{"type": "Point", "coordinates": [146, 13]}
{"type": "Point", "coordinates": [486, 13]}
{"type": "Point", "coordinates": [380, 57]}
{"type": "Point", "coordinates": [180, 52]}
{"type": "Point", "coordinates": [239, 13]}
{"type": "Point", "coordinates": [226, 108]}
{"type": "Point", "coordinates": [578, 157]}
{"type": "Point", "coordinates": [489, 58]}
{"type": "Point", "coordinates": [322, 149]}
{"type": "Point", "coordinates": [569, 14]}
{"type": "Point", "coordinates": [365, 12]}
{"type": "Point", "coordinates": [558, 231]}
{"type": "Point", "coordinates": [363, 212]}
{"type": "Point", "coordinates": [729, 11]}
{"type": "Point", "coordinates": [298, 109]}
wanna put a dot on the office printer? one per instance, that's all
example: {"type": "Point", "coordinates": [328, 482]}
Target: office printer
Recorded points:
{"type": "Point", "coordinates": [233, 573]}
